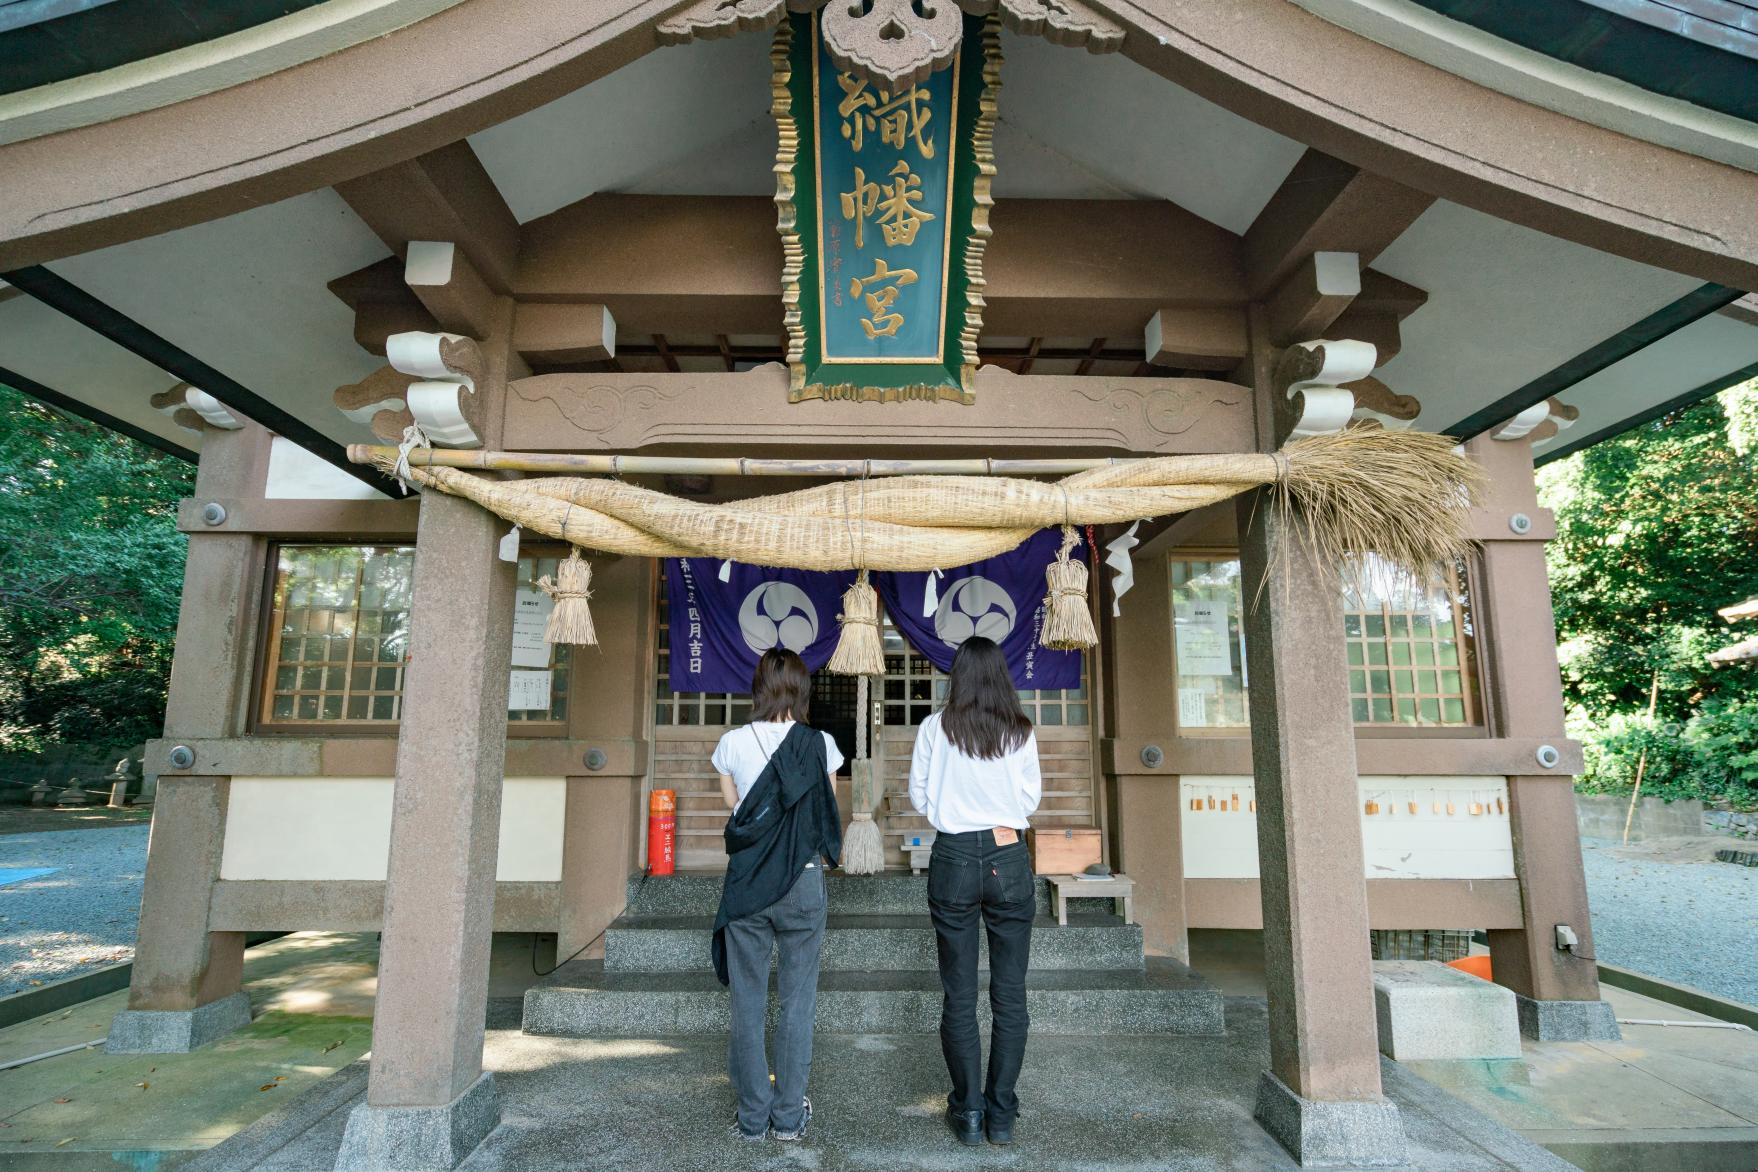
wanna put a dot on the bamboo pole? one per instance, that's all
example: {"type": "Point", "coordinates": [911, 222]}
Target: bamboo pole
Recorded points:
{"type": "Point", "coordinates": [577, 463]}
{"type": "Point", "coordinates": [1642, 757]}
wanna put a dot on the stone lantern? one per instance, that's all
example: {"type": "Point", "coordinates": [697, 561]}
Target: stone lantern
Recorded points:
{"type": "Point", "coordinates": [122, 779]}
{"type": "Point", "coordinates": [73, 795]}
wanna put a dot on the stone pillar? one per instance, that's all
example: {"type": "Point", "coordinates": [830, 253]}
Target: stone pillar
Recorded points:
{"type": "Point", "coordinates": [1557, 991]}
{"type": "Point", "coordinates": [429, 1102]}
{"type": "Point", "coordinates": [184, 990]}
{"type": "Point", "coordinates": [1321, 1096]}
{"type": "Point", "coordinates": [1141, 695]}
{"type": "Point", "coordinates": [602, 829]}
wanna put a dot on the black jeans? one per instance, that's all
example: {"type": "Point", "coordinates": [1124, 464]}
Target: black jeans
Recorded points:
{"type": "Point", "coordinates": [974, 884]}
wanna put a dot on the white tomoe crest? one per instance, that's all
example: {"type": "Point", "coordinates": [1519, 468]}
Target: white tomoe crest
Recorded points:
{"type": "Point", "coordinates": [778, 614]}
{"type": "Point", "coordinates": [974, 606]}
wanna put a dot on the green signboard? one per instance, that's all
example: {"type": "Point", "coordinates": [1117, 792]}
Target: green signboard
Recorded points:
{"type": "Point", "coordinates": [884, 213]}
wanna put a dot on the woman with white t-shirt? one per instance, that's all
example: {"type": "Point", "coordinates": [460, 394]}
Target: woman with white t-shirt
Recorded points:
{"type": "Point", "coordinates": [776, 776]}
{"type": "Point", "coordinates": [975, 778]}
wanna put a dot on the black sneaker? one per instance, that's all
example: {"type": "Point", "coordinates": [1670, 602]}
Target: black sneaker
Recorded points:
{"type": "Point", "coordinates": [1000, 1134]}
{"type": "Point", "coordinates": [788, 1137]}
{"type": "Point", "coordinates": [967, 1126]}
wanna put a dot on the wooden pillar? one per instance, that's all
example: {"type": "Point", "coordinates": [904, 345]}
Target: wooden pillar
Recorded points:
{"type": "Point", "coordinates": [1557, 989]}
{"type": "Point", "coordinates": [602, 827]}
{"type": "Point", "coordinates": [428, 1100]}
{"type": "Point", "coordinates": [1321, 1096]}
{"type": "Point", "coordinates": [184, 989]}
{"type": "Point", "coordinates": [1141, 694]}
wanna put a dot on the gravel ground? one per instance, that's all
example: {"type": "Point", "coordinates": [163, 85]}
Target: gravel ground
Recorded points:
{"type": "Point", "coordinates": [80, 918]}
{"type": "Point", "coordinates": [1659, 909]}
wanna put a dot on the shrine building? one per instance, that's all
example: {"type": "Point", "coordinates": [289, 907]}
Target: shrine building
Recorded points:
{"type": "Point", "coordinates": [731, 249]}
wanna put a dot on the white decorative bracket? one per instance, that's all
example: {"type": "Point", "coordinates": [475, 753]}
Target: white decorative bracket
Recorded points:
{"type": "Point", "coordinates": [1540, 421]}
{"type": "Point", "coordinates": [443, 399]}
{"type": "Point", "coordinates": [1312, 374]}
{"type": "Point", "coordinates": [182, 399]}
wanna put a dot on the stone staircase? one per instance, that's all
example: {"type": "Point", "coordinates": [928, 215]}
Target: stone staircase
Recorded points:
{"type": "Point", "coordinates": [878, 971]}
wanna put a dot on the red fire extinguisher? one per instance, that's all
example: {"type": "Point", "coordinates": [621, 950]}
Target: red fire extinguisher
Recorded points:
{"type": "Point", "coordinates": [662, 832]}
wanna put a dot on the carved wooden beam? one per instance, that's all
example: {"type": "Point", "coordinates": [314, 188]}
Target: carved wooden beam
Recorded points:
{"type": "Point", "coordinates": [1197, 338]}
{"type": "Point", "coordinates": [379, 401]}
{"type": "Point", "coordinates": [748, 414]}
{"type": "Point", "coordinates": [553, 334]}
{"type": "Point", "coordinates": [711, 265]}
{"type": "Point", "coordinates": [1313, 296]}
{"type": "Point", "coordinates": [383, 305]}
{"type": "Point", "coordinates": [1326, 205]}
{"type": "Point", "coordinates": [445, 194]}
{"type": "Point", "coordinates": [442, 277]}
{"type": "Point", "coordinates": [1378, 403]}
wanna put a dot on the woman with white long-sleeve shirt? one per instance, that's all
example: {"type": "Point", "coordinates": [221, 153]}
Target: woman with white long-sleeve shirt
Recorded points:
{"type": "Point", "coordinates": [975, 777]}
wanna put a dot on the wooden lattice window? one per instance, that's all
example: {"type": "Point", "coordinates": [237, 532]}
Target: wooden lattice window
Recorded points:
{"type": "Point", "coordinates": [913, 688]}
{"type": "Point", "coordinates": [338, 636]}
{"type": "Point", "coordinates": [1411, 649]}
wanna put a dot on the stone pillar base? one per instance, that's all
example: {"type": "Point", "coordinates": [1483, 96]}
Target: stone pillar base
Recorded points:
{"type": "Point", "coordinates": [1567, 1021]}
{"type": "Point", "coordinates": [420, 1138]}
{"type": "Point", "coordinates": [1331, 1134]}
{"type": "Point", "coordinates": [176, 1031]}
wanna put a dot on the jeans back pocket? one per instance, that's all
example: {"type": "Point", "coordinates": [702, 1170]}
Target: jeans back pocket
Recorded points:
{"type": "Point", "coordinates": [953, 880]}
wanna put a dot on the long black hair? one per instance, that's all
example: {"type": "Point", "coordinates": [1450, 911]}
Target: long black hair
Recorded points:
{"type": "Point", "coordinates": [781, 687]}
{"type": "Point", "coordinates": [983, 717]}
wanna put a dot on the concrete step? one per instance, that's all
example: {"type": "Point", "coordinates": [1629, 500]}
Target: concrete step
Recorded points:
{"type": "Point", "coordinates": [873, 943]}
{"type": "Point", "coordinates": [582, 1000]}
{"type": "Point", "coordinates": [890, 893]}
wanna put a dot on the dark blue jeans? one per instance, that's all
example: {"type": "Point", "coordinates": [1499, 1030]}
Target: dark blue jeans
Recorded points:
{"type": "Point", "coordinates": [792, 926]}
{"type": "Point", "coordinates": [976, 886]}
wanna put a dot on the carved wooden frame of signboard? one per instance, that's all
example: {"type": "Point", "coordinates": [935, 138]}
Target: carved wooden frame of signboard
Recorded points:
{"type": "Point", "coordinates": [911, 344]}
{"type": "Point", "coordinates": [893, 56]}
{"type": "Point", "coordinates": [894, 43]}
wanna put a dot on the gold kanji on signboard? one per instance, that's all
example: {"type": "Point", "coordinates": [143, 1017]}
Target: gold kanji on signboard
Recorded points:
{"type": "Point", "coordinates": [882, 321]}
{"type": "Point", "coordinates": [900, 120]}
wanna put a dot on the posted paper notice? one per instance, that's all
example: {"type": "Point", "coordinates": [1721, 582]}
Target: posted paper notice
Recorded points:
{"type": "Point", "coordinates": [528, 691]}
{"type": "Point", "coordinates": [530, 616]}
{"type": "Point", "coordinates": [1204, 648]}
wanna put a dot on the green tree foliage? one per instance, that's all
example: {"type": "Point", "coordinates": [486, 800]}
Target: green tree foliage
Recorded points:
{"type": "Point", "coordinates": [1656, 530]}
{"type": "Point", "coordinates": [91, 568]}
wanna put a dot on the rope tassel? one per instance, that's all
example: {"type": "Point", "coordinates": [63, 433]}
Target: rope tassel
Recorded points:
{"type": "Point", "coordinates": [863, 847]}
{"type": "Point", "coordinates": [571, 588]}
{"type": "Point", "coordinates": [858, 650]}
{"type": "Point", "coordinates": [1068, 622]}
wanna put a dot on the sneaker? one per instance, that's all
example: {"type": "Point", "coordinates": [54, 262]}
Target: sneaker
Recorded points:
{"type": "Point", "coordinates": [789, 1137]}
{"type": "Point", "coordinates": [738, 1132]}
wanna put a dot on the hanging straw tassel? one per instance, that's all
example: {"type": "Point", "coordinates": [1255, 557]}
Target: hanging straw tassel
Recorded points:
{"type": "Point", "coordinates": [863, 851]}
{"type": "Point", "coordinates": [571, 619]}
{"type": "Point", "coordinates": [858, 650]}
{"type": "Point", "coordinates": [1068, 622]}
